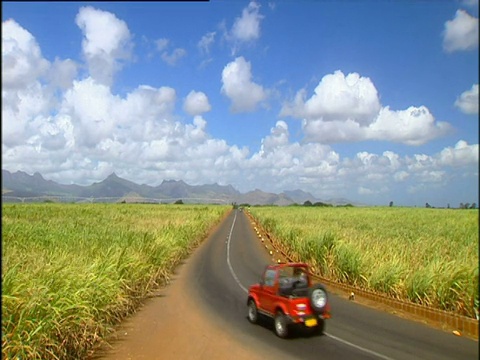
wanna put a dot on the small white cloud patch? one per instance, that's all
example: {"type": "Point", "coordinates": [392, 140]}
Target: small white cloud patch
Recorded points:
{"type": "Point", "coordinates": [196, 103]}
{"type": "Point", "coordinates": [468, 101]}
{"type": "Point", "coordinates": [461, 33]}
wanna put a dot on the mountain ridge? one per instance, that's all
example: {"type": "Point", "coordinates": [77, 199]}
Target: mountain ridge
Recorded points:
{"type": "Point", "coordinates": [22, 185]}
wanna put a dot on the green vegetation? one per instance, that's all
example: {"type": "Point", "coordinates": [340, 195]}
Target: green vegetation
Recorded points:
{"type": "Point", "coordinates": [72, 271]}
{"type": "Point", "coordinates": [426, 256]}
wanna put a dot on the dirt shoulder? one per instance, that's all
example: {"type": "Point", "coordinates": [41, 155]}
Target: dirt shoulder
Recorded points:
{"type": "Point", "coordinates": [172, 325]}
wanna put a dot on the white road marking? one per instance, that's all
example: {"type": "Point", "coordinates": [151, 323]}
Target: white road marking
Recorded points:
{"type": "Point", "coordinates": [358, 347]}
{"type": "Point", "coordinates": [228, 256]}
{"type": "Point", "coordinates": [330, 336]}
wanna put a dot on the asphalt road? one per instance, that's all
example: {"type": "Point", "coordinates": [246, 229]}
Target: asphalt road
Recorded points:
{"type": "Point", "coordinates": [233, 258]}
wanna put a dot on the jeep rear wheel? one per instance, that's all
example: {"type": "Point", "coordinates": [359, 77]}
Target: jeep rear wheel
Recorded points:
{"type": "Point", "coordinates": [252, 311]}
{"type": "Point", "coordinates": [318, 297]}
{"type": "Point", "coordinates": [281, 325]}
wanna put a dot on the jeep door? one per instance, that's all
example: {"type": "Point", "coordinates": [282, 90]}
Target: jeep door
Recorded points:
{"type": "Point", "coordinates": [267, 299]}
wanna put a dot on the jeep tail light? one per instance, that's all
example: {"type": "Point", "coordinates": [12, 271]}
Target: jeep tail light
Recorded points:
{"type": "Point", "coordinates": [301, 307]}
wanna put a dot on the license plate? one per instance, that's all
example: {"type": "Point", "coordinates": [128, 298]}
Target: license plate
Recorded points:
{"type": "Point", "coordinates": [311, 322]}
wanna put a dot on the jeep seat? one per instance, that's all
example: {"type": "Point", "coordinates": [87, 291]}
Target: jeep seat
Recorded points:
{"type": "Point", "coordinates": [301, 291]}
{"type": "Point", "coordinates": [285, 287]}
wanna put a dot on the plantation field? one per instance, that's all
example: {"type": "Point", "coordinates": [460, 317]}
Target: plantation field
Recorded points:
{"type": "Point", "coordinates": [72, 271]}
{"type": "Point", "coordinates": [426, 256]}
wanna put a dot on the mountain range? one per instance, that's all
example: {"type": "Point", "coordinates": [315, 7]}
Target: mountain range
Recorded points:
{"type": "Point", "coordinates": [20, 186]}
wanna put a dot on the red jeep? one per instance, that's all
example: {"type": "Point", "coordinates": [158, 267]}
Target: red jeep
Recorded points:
{"type": "Point", "coordinates": [286, 294]}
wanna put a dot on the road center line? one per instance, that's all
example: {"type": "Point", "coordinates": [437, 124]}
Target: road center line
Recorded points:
{"type": "Point", "coordinates": [330, 336]}
{"type": "Point", "coordinates": [358, 347]}
{"type": "Point", "coordinates": [228, 256]}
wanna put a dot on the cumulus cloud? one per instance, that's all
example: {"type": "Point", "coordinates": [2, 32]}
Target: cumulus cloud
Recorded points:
{"type": "Point", "coordinates": [86, 132]}
{"type": "Point", "coordinates": [94, 132]}
{"type": "Point", "coordinates": [196, 103]}
{"type": "Point", "coordinates": [291, 164]}
{"type": "Point", "coordinates": [468, 101]}
{"type": "Point", "coordinates": [461, 33]}
{"type": "Point", "coordinates": [21, 109]}
{"type": "Point", "coordinates": [339, 97]}
{"type": "Point", "coordinates": [459, 155]}
{"type": "Point", "coordinates": [347, 109]}
{"type": "Point", "coordinates": [413, 126]}
{"type": "Point", "coordinates": [25, 100]}
{"type": "Point", "coordinates": [22, 61]}
{"type": "Point", "coordinates": [62, 73]}
{"type": "Point", "coordinates": [369, 169]}
{"type": "Point", "coordinates": [106, 43]}
{"type": "Point", "coordinates": [238, 86]}
{"type": "Point", "coordinates": [137, 132]}
{"type": "Point", "coordinates": [433, 168]}
{"type": "Point", "coordinates": [400, 176]}
{"type": "Point", "coordinates": [376, 174]}
{"type": "Point", "coordinates": [279, 136]}
{"type": "Point", "coordinates": [89, 103]}
{"type": "Point", "coordinates": [246, 28]}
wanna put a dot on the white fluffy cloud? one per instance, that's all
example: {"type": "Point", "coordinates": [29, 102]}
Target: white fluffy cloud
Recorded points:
{"type": "Point", "coordinates": [468, 101]}
{"type": "Point", "coordinates": [347, 109]}
{"type": "Point", "coordinates": [238, 86]}
{"type": "Point", "coordinates": [339, 97]}
{"type": "Point", "coordinates": [413, 126]}
{"type": "Point", "coordinates": [279, 136]}
{"type": "Point", "coordinates": [22, 61]}
{"type": "Point", "coordinates": [22, 111]}
{"type": "Point", "coordinates": [376, 174]}
{"type": "Point", "coordinates": [247, 27]}
{"type": "Point", "coordinates": [62, 73]}
{"type": "Point", "coordinates": [292, 164]}
{"type": "Point", "coordinates": [92, 132]}
{"type": "Point", "coordinates": [89, 106]}
{"type": "Point", "coordinates": [106, 42]}
{"type": "Point", "coordinates": [459, 155]}
{"type": "Point", "coordinates": [75, 129]}
{"type": "Point", "coordinates": [196, 103]}
{"type": "Point", "coordinates": [461, 33]}
{"type": "Point", "coordinates": [25, 101]}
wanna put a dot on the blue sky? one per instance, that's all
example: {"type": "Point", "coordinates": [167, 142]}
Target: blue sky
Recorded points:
{"type": "Point", "coordinates": [366, 100]}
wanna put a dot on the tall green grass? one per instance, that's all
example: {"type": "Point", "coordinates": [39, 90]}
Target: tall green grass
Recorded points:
{"type": "Point", "coordinates": [70, 272]}
{"type": "Point", "coordinates": [426, 256]}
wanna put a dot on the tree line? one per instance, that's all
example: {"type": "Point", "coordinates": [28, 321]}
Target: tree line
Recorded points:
{"type": "Point", "coordinates": [461, 206]}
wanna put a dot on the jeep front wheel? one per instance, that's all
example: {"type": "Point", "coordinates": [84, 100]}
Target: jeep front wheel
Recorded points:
{"type": "Point", "coordinates": [281, 325]}
{"type": "Point", "coordinates": [252, 311]}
